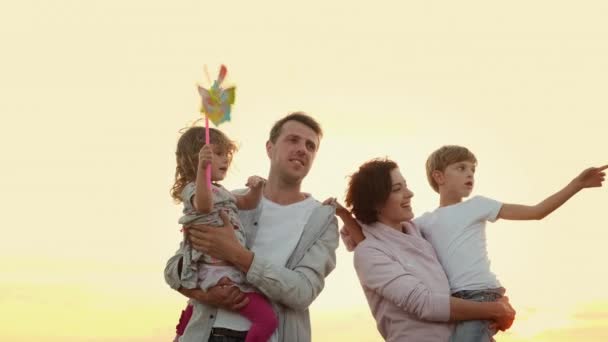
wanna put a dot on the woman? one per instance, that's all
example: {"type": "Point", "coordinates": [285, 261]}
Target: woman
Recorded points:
{"type": "Point", "coordinates": [405, 285]}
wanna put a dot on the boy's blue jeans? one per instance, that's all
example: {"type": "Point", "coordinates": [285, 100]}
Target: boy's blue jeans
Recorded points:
{"type": "Point", "coordinates": [476, 331]}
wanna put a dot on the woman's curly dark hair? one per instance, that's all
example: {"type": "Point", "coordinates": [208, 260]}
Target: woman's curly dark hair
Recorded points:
{"type": "Point", "coordinates": [369, 188]}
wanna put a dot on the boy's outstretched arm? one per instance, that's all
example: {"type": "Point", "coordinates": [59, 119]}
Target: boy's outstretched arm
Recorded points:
{"type": "Point", "coordinates": [250, 200]}
{"type": "Point", "coordinates": [203, 198]}
{"type": "Point", "coordinates": [589, 178]}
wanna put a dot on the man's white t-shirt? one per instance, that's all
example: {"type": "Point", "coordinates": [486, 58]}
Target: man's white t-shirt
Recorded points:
{"type": "Point", "coordinates": [279, 230]}
{"type": "Point", "coordinates": [458, 234]}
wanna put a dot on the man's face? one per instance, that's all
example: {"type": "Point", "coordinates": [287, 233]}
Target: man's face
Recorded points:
{"type": "Point", "coordinates": [292, 154]}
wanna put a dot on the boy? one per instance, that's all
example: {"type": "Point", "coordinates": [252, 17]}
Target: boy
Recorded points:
{"type": "Point", "coordinates": [456, 229]}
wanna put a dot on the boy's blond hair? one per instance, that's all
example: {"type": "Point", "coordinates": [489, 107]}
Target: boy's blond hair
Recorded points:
{"type": "Point", "coordinates": [444, 156]}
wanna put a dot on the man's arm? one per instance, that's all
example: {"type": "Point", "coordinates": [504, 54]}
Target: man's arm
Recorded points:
{"type": "Point", "coordinates": [173, 270]}
{"type": "Point", "coordinates": [220, 243]}
{"type": "Point", "coordinates": [222, 295]}
{"type": "Point", "coordinates": [589, 178]}
{"type": "Point", "coordinates": [297, 287]}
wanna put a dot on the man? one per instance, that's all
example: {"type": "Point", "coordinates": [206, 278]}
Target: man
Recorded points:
{"type": "Point", "coordinates": [291, 237]}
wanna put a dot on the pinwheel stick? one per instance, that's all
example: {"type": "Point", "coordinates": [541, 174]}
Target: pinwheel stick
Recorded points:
{"type": "Point", "coordinates": [208, 169]}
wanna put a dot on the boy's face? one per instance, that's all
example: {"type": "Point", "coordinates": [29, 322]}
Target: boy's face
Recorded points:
{"type": "Point", "coordinates": [457, 180]}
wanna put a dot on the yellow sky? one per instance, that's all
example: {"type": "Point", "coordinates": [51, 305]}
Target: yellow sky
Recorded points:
{"type": "Point", "coordinates": [94, 93]}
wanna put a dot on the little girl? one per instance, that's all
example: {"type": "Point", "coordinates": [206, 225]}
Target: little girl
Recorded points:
{"type": "Point", "coordinates": [202, 205]}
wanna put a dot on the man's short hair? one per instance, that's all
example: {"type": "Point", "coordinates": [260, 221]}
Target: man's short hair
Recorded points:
{"type": "Point", "coordinates": [300, 117]}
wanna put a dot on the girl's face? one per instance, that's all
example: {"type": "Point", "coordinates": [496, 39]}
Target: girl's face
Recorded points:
{"type": "Point", "coordinates": [219, 164]}
{"type": "Point", "coordinates": [397, 207]}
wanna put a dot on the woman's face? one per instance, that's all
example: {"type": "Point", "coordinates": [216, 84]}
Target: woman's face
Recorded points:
{"type": "Point", "coordinates": [397, 207]}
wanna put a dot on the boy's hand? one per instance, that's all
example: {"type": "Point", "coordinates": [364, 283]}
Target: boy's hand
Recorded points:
{"type": "Point", "coordinates": [255, 182]}
{"type": "Point", "coordinates": [591, 177]}
{"type": "Point", "coordinates": [205, 156]}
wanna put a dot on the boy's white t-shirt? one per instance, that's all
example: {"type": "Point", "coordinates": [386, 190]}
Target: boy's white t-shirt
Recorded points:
{"type": "Point", "coordinates": [458, 234]}
{"type": "Point", "coordinates": [279, 230]}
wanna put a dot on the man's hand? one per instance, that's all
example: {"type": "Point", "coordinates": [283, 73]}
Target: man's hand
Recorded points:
{"type": "Point", "coordinates": [227, 296]}
{"type": "Point", "coordinates": [196, 294]}
{"type": "Point", "coordinates": [591, 177]}
{"type": "Point", "coordinates": [217, 242]}
{"type": "Point", "coordinates": [224, 295]}
{"type": "Point", "coordinates": [220, 243]}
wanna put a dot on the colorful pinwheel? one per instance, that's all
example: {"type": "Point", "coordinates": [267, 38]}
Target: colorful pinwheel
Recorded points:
{"type": "Point", "coordinates": [217, 103]}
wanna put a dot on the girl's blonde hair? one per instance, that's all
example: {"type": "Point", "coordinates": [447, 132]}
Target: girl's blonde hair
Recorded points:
{"type": "Point", "coordinates": [186, 155]}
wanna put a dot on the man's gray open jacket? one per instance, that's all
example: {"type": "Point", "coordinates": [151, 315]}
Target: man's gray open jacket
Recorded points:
{"type": "Point", "coordinates": [291, 288]}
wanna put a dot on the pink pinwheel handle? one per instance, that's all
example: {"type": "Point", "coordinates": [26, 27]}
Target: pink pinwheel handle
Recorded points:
{"type": "Point", "coordinates": [208, 169]}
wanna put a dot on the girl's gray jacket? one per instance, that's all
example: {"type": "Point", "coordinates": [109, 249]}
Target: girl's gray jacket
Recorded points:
{"type": "Point", "coordinates": [291, 288]}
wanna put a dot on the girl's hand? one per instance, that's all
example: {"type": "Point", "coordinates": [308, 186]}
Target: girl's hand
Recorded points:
{"type": "Point", "coordinates": [591, 177]}
{"type": "Point", "coordinates": [205, 156]}
{"type": "Point", "coordinates": [255, 182]}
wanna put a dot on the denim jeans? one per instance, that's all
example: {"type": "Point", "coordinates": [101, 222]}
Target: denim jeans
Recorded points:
{"type": "Point", "coordinates": [476, 331]}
